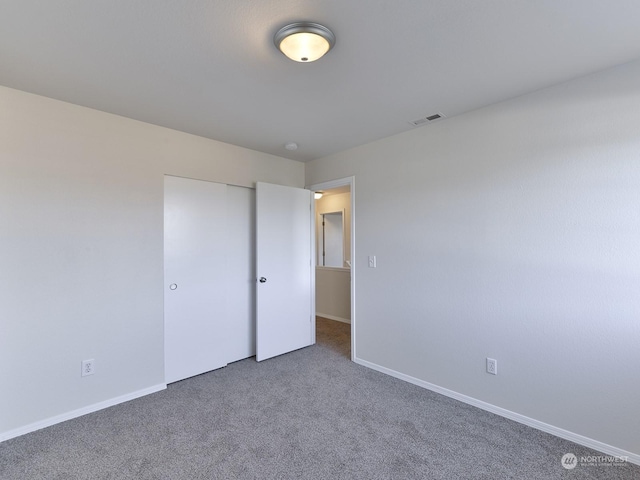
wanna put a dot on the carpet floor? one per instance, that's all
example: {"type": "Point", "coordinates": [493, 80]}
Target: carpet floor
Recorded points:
{"type": "Point", "coordinates": [309, 414]}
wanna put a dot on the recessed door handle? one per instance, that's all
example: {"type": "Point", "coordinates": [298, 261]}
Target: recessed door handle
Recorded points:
{"type": "Point", "coordinates": [173, 286]}
{"type": "Point", "coordinates": [263, 280]}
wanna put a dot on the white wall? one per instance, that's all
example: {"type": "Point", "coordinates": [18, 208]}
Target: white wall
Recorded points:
{"type": "Point", "coordinates": [512, 232]}
{"type": "Point", "coordinates": [81, 257]}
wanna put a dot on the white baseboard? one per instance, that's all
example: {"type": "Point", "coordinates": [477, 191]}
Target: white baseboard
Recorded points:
{"type": "Point", "coordinates": [333, 317]}
{"type": "Point", "coordinates": [545, 427]}
{"type": "Point", "coordinates": [79, 412]}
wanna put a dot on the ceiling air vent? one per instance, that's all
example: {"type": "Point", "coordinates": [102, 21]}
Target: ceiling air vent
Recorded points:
{"type": "Point", "coordinates": [429, 119]}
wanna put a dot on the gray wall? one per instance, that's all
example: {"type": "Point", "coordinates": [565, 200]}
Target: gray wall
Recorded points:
{"type": "Point", "coordinates": [510, 232]}
{"type": "Point", "coordinates": [81, 263]}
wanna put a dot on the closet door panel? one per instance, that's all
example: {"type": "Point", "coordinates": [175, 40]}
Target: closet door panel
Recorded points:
{"type": "Point", "coordinates": [241, 273]}
{"type": "Point", "coordinates": [195, 217]}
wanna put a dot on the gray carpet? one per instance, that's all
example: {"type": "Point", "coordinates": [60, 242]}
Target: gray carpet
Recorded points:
{"type": "Point", "coordinates": [310, 414]}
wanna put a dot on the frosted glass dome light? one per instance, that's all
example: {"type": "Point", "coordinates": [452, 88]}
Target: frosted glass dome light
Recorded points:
{"type": "Point", "coordinates": [304, 41]}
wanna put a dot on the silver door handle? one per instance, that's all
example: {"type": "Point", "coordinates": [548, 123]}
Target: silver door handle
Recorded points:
{"type": "Point", "coordinates": [173, 286]}
{"type": "Point", "coordinates": [263, 280]}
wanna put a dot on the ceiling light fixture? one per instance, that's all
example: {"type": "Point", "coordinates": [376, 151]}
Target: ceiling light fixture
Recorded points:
{"type": "Point", "coordinates": [317, 195]}
{"type": "Point", "coordinates": [304, 41]}
{"type": "Point", "coordinates": [291, 146]}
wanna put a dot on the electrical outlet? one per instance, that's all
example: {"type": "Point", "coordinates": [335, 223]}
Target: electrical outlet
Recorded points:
{"type": "Point", "coordinates": [372, 261]}
{"type": "Point", "coordinates": [88, 367]}
{"type": "Point", "coordinates": [492, 366]}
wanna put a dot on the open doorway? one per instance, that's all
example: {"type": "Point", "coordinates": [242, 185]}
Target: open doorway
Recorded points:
{"type": "Point", "coordinates": [334, 222]}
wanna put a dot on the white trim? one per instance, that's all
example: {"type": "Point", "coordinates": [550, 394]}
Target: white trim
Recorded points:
{"type": "Point", "coordinates": [32, 427]}
{"type": "Point", "coordinates": [312, 271]}
{"type": "Point", "coordinates": [332, 317]}
{"type": "Point", "coordinates": [545, 427]}
{"type": "Point", "coordinates": [340, 182]}
{"type": "Point", "coordinates": [351, 181]}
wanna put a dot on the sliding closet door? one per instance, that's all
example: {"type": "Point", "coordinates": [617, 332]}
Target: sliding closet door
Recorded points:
{"type": "Point", "coordinates": [195, 217]}
{"type": "Point", "coordinates": [241, 273]}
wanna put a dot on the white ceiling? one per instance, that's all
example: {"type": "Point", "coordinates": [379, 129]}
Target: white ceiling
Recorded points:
{"type": "Point", "coordinates": [209, 67]}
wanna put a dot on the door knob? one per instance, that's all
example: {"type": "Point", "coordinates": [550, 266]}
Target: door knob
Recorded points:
{"type": "Point", "coordinates": [262, 279]}
{"type": "Point", "coordinates": [173, 286]}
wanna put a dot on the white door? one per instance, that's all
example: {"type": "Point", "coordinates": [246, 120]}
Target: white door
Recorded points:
{"type": "Point", "coordinates": [284, 233]}
{"type": "Point", "coordinates": [195, 263]}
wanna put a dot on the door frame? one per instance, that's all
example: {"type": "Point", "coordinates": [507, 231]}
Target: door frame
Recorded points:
{"type": "Point", "coordinates": [342, 182]}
